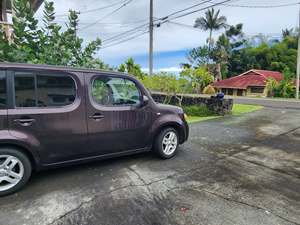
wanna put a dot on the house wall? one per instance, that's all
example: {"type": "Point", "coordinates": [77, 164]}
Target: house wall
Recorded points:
{"type": "Point", "coordinates": [252, 93]}
{"type": "Point", "coordinates": [234, 92]}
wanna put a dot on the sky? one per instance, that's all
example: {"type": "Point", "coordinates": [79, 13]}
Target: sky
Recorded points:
{"type": "Point", "coordinates": [171, 40]}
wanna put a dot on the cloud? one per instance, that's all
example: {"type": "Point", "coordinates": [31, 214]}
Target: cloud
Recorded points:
{"type": "Point", "coordinates": [168, 37]}
{"type": "Point", "coordinates": [167, 69]}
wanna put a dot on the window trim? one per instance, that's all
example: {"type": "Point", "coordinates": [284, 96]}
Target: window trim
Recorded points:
{"type": "Point", "coordinates": [115, 107]}
{"type": "Point", "coordinates": [36, 73]}
{"type": "Point", "coordinates": [7, 91]}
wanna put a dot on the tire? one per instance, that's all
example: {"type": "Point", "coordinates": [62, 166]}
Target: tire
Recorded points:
{"type": "Point", "coordinates": [160, 147]}
{"type": "Point", "coordinates": [14, 178]}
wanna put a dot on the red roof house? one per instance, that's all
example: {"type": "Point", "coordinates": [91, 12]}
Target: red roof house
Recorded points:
{"type": "Point", "coordinates": [252, 82]}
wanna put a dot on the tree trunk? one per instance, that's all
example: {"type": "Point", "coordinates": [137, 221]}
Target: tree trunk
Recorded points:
{"type": "Point", "coordinates": [219, 73]}
{"type": "Point", "coordinates": [209, 41]}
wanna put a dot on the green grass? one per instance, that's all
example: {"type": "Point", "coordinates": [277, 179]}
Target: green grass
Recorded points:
{"type": "Point", "coordinates": [194, 119]}
{"type": "Point", "coordinates": [239, 109]}
{"type": "Point", "coordinates": [202, 114]}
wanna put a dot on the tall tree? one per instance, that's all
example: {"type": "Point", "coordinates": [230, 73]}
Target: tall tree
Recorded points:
{"type": "Point", "coordinates": [211, 22]}
{"type": "Point", "coordinates": [48, 44]}
{"type": "Point", "coordinates": [287, 32]}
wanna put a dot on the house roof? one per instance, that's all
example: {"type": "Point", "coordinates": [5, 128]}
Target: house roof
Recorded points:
{"type": "Point", "coordinates": [250, 78]}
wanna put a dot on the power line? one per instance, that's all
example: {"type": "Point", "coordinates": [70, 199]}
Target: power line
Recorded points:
{"type": "Point", "coordinates": [137, 29]}
{"type": "Point", "coordinates": [164, 19]}
{"type": "Point", "coordinates": [128, 32]}
{"type": "Point", "coordinates": [107, 15]}
{"type": "Point", "coordinates": [125, 40]}
{"type": "Point", "coordinates": [167, 18]}
{"type": "Point", "coordinates": [193, 6]}
{"type": "Point", "coordinates": [262, 6]}
{"type": "Point", "coordinates": [94, 10]}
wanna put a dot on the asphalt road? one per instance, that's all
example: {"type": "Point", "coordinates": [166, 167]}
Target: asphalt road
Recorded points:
{"type": "Point", "coordinates": [269, 102]}
{"type": "Point", "coordinates": [234, 170]}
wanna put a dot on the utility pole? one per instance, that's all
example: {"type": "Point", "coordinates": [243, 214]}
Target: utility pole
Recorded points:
{"type": "Point", "coordinates": [298, 62]}
{"type": "Point", "coordinates": [151, 25]}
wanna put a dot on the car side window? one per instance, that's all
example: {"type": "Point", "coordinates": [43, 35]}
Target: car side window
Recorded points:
{"type": "Point", "coordinates": [112, 91]}
{"type": "Point", "coordinates": [3, 96]}
{"type": "Point", "coordinates": [40, 90]}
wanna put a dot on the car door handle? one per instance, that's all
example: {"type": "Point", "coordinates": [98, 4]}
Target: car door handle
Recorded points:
{"type": "Point", "coordinates": [97, 116]}
{"type": "Point", "coordinates": [24, 122]}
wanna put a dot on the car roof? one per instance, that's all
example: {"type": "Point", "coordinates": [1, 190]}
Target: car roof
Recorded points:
{"type": "Point", "coordinates": [56, 68]}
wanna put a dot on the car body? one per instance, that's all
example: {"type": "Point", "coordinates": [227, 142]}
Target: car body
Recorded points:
{"type": "Point", "coordinates": [58, 116]}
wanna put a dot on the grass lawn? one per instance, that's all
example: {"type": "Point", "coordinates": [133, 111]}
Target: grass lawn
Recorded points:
{"type": "Point", "coordinates": [237, 110]}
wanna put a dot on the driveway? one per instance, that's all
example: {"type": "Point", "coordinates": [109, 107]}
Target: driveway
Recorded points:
{"type": "Point", "coordinates": [234, 170]}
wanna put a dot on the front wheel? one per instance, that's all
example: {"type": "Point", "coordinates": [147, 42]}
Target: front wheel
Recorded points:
{"type": "Point", "coordinates": [166, 143]}
{"type": "Point", "coordinates": [15, 170]}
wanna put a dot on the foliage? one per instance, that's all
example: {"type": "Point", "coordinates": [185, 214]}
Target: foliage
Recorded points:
{"type": "Point", "coordinates": [209, 90]}
{"type": "Point", "coordinates": [132, 68]}
{"type": "Point", "coordinates": [212, 22]}
{"type": "Point", "coordinates": [275, 57]}
{"type": "Point", "coordinates": [199, 77]}
{"type": "Point", "coordinates": [271, 85]}
{"type": "Point", "coordinates": [232, 54]}
{"type": "Point", "coordinates": [197, 110]}
{"type": "Point", "coordinates": [169, 84]}
{"type": "Point", "coordinates": [48, 44]}
{"type": "Point", "coordinates": [221, 52]}
{"type": "Point", "coordinates": [238, 109]}
{"type": "Point", "coordinates": [284, 88]}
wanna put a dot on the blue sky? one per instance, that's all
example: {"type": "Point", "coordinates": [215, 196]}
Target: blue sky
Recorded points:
{"type": "Point", "coordinates": [171, 41]}
{"type": "Point", "coordinates": [166, 59]}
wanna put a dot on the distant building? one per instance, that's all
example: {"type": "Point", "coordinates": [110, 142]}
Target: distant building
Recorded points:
{"type": "Point", "coordinates": [250, 83]}
{"type": "Point", "coordinates": [7, 12]}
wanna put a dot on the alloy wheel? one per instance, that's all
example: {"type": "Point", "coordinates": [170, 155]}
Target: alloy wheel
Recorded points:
{"type": "Point", "coordinates": [169, 143]}
{"type": "Point", "coordinates": [11, 172]}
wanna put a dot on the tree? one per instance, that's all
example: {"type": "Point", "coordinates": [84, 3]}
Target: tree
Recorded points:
{"type": "Point", "coordinates": [198, 77]}
{"type": "Point", "coordinates": [47, 45]}
{"type": "Point", "coordinates": [221, 52]}
{"type": "Point", "coordinates": [287, 32]}
{"type": "Point", "coordinates": [284, 88]}
{"type": "Point", "coordinates": [212, 22]}
{"type": "Point", "coordinates": [132, 68]}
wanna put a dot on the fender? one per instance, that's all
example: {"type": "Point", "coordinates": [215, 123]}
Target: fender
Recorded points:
{"type": "Point", "coordinates": [166, 120]}
{"type": "Point", "coordinates": [18, 139]}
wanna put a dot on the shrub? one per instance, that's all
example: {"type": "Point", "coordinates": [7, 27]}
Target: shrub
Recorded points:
{"type": "Point", "coordinates": [197, 110]}
{"type": "Point", "coordinates": [209, 90]}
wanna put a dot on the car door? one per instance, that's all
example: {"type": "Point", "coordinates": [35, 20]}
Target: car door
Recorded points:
{"type": "Point", "coordinates": [48, 111]}
{"type": "Point", "coordinates": [117, 121]}
{"type": "Point", "coordinates": [3, 103]}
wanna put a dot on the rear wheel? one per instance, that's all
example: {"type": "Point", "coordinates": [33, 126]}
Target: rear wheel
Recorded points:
{"type": "Point", "coordinates": [15, 170]}
{"type": "Point", "coordinates": [166, 143]}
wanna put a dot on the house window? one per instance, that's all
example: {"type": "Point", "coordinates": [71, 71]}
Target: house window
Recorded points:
{"type": "Point", "coordinates": [257, 90]}
{"type": "Point", "coordinates": [229, 91]}
{"type": "Point", "coordinates": [240, 92]}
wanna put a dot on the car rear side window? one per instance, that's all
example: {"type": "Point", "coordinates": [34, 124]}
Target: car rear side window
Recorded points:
{"type": "Point", "coordinates": [3, 96]}
{"type": "Point", "coordinates": [39, 90]}
{"type": "Point", "coordinates": [111, 91]}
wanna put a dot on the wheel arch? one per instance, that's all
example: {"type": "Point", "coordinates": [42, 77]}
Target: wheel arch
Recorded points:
{"type": "Point", "coordinates": [33, 160]}
{"type": "Point", "coordinates": [171, 124]}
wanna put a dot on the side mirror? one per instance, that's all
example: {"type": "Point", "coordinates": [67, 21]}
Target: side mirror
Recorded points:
{"type": "Point", "coordinates": [145, 100]}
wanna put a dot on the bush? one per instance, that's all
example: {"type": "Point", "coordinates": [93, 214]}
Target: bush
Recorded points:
{"type": "Point", "coordinates": [197, 110]}
{"type": "Point", "coordinates": [209, 90]}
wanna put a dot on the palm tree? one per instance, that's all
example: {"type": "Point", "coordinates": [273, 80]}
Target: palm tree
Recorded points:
{"type": "Point", "coordinates": [287, 32]}
{"type": "Point", "coordinates": [212, 22]}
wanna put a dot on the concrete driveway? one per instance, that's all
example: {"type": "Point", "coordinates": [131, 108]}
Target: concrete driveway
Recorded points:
{"type": "Point", "coordinates": [234, 170]}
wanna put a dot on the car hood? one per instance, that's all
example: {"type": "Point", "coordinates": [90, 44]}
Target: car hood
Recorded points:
{"type": "Point", "coordinates": [170, 108]}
